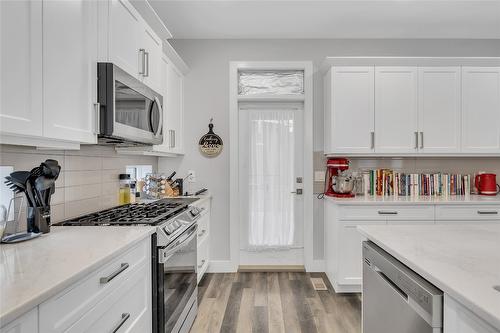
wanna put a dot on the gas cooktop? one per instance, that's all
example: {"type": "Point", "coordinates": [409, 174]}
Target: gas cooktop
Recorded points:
{"type": "Point", "coordinates": [152, 213]}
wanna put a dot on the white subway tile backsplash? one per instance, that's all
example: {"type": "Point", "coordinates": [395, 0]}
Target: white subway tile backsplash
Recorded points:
{"type": "Point", "coordinates": [89, 177]}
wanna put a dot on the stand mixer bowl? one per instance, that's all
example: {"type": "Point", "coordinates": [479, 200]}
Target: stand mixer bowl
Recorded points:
{"type": "Point", "coordinates": [342, 184]}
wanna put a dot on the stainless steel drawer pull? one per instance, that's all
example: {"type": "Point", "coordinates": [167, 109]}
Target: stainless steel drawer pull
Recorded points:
{"type": "Point", "coordinates": [110, 277]}
{"type": "Point", "coordinates": [202, 263]}
{"type": "Point", "coordinates": [487, 212]}
{"type": "Point", "coordinates": [125, 316]}
{"type": "Point", "coordinates": [387, 212]}
{"type": "Point", "coordinates": [372, 140]}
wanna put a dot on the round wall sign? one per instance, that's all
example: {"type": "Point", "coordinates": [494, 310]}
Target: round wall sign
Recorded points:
{"type": "Point", "coordinates": [210, 144]}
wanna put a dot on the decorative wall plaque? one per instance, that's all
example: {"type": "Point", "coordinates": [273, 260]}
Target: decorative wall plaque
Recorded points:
{"type": "Point", "coordinates": [211, 144]}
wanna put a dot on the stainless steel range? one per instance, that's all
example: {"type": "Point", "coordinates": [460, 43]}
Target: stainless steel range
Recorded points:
{"type": "Point", "coordinates": [174, 264]}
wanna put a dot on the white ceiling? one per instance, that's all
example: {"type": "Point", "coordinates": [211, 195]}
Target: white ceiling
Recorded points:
{"type": "Point", "coordinates": [242, 19]}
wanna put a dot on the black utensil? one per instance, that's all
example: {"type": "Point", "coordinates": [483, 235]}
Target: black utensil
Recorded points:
{"type": "Point", "coordinates": [171, 176]}
{"type": "Point", "coordinates": [203, 190]}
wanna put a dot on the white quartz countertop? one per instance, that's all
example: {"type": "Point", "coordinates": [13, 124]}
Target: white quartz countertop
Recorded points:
{"type": "Point", "coordinates": [461, 260]}
{"type": "Point", "coordinates": [35, 270]}
{"type": "Point", "coordinates": [422, 200]}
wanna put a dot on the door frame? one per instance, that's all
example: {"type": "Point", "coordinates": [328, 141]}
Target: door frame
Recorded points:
{"type": "Point", "coordinates": [234, 198]}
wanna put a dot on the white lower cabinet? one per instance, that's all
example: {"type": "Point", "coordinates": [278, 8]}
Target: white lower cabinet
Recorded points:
{"type": "Point", "coordinates": [27, 323]}
{"type": "Point", "coordinates": [116, 294]}
{"type": "Point", "coordinates": [203, 238]}
{"type": "Point", "coordinates": [343, 255]}
{"type": "Point", "coordinates": [459, 319]}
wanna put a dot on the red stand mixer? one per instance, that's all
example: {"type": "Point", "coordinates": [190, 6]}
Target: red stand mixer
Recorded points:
{"type": "Point", "coordinates": [334, 168]}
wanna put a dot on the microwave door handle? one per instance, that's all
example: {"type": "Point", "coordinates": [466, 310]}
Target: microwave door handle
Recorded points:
{"type": "Point", "coordinates": [160, 121]}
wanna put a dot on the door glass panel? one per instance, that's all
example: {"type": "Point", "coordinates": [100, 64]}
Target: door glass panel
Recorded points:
{"type": "Point", "coordinates": [271, 82]}
{"type": "Point", "coordinates": [132, 108]}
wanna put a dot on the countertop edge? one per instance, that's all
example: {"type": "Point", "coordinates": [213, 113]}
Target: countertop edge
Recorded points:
{"type": "Point", "coordinates": [21, 309]}
{"type": "Point", "coordinates": [484, 314]}
{"type": "Point", "coordinates": [361, 201]}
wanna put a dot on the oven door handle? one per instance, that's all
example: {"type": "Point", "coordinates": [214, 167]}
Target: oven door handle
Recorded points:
{"type": "Point", "coordinates": [167, 252]}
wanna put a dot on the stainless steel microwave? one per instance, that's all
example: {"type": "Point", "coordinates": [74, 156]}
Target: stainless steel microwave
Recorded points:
{"type": "Point", "coordinates": [130, 113]}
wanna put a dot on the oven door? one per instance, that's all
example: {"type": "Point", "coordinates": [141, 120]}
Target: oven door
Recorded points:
{"type": "Point", "coordinates": [177, 281]}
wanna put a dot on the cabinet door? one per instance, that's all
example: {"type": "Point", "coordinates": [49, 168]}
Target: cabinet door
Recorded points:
{"type": "Point", "coordinates": [395, 109]}
{"type": "Point", "coordinates": [481, 109]}
{"type": "Point", "coordinates": [70, 70]}
{"type": "Point", "coordinates": [21, 67]}
{"type": "Point", "coordinates": [152, 45]}
{"type": "Point", "coordinates": [125, 33]}
{"type": "Point", "coordinates": [27, 323]}
{"type": "Point", "coordinates": [439, 109]}
{"type": "Point", "coordinates": [352, 108]}
{"type": "Point", "coordinates": [173, 103]}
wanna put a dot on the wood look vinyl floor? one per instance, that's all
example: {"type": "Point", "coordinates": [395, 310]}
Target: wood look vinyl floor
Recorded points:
{"type": "Point", "coordinates": [273, 302]}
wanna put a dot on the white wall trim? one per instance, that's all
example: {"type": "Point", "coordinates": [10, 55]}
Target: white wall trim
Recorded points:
{"type": "Point", "coordinates": [318, 265]}
{"type": "Point", "coordinates": [221, 266]}
{"type": "Point", "coordinates": [234, 221]}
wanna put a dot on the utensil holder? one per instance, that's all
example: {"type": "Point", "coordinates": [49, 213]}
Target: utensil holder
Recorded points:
{"type": "Point", "coordinates": [39, 219]}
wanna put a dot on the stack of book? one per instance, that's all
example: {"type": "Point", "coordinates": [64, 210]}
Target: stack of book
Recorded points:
{"type": "Point", "coordinates": [388, 182]}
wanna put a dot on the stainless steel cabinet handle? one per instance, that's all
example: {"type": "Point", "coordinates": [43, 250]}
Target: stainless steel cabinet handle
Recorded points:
{"type": "Point", "coordinates": [97, 109]}
{"type": "Point", "coordinates": [110, 277]}
{"type": "Point", "coordinates": [142, 69]}
{"type": "Point", "coordinates": [421, 140]}
{"type": "Point", "coordinates": [202, 263]}
{"type": "Point", "coordinates": [487, 212]}
{"type": "Point", "coordinates": [372, 140]}
{"type": "Point", "coordinates": [125, 316]}
{"type": "Point", "coordinates": [146, 64]}
{"type": "Point", "coordinates": [416, 140]}
{"type": "Point", "coordinates": [173, 137]}
{"type": "Point", "coordinates": [387, 212]}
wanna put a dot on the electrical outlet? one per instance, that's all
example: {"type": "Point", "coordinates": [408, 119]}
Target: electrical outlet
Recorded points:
{"type": "Point", "coordinates": [192, 176]}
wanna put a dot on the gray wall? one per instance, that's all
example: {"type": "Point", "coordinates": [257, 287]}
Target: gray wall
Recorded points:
{"type": "Point", "coordinates": [207, 96]}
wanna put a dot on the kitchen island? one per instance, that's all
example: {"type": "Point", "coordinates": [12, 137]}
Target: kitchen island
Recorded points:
{"type": "Point", "coordinates": [461, 260]}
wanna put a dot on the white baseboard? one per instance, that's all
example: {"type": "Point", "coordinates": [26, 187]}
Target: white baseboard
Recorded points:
{"type": "Point", "coordinates": [222, 266]}
{"type": "Point", "coordinates": [316, 266]}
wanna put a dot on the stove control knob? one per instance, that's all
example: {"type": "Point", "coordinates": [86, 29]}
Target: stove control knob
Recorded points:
{"type": "Point", "coordinates": [167, 230]}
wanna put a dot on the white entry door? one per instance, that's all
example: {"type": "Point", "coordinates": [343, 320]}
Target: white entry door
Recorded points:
{"type": "Point", "coordinates": [270, 184]}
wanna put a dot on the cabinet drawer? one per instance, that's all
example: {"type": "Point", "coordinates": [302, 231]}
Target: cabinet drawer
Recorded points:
{"type": "Point", "coordinates": [387, 213]}
{"type": "Point", "coordinates": [60, 312]}
{"type": "Point", "coordinates": [468, 213]}
{"type": "Point", "coordinates": [203, 227]}
{"type": "Point", "coordinates": [203, 254]}
{"type": "Point", "coordinates": [125, 309]}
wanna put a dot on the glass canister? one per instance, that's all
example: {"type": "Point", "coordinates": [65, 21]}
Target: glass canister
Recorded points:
{"type": "Point", "coordinates": [124, 192]}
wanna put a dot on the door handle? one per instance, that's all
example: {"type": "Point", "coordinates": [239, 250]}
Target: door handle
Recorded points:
{"type": "Point", "coordinates": [297, 191]}
{"type": "Point", "coordinates": [146, 64]}
{"type": "Point", "coordinates": [110, 277]}
{"type": "Point", "coordinates": [487, 212]}
{"type": "Point", "coordinates": [387, 212]}
{"type": "Point", "coordinates": [142, 70]}
{"type": "Point", "coordinates": [125, 317]}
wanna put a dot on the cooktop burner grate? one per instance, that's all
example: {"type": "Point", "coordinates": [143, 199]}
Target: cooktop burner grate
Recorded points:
{"type": "Point", "coordinates": [151, 213]}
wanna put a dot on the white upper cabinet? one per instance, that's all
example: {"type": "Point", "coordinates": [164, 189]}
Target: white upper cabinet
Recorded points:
{"type": "Point", "coordinates": [349, 121]}
{"type": "Point", "coordinates": [70, 70]}
{"type": "Point", "coordinates": [439, 109]}
{"type": "Point", "coordinates": [173, 102]}
{"type": "Point", "coordinates": [21, 67]}
{"type": "Point", "coordinates": [133, 45]}
{"type": "Point", "coordinates": [395, 109]}
{"type": "Point", "coordinates": [152, 46]}
{"type": "Point", "coordinates": [124, 38]}
{"type": "Point", "coordinates": [481, 109]}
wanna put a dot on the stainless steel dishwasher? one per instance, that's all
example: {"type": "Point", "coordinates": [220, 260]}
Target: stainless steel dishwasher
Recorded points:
{"type": "Point", "coordinates": [396, 299]}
